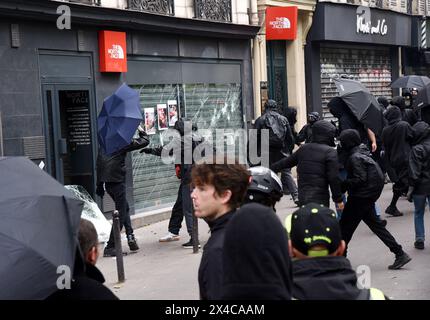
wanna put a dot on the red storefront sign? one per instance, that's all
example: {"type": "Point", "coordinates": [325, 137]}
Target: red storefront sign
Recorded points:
{"type": "Point", "coordinates": [113, 51]}
{"type": "Point", "coordinates": [281, 23]}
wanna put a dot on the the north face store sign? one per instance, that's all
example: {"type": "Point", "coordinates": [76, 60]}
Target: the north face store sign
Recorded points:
{"type": "Point", "coordinates": [281, 23]}
{"type": "Point", "coordinates": [113, 51]}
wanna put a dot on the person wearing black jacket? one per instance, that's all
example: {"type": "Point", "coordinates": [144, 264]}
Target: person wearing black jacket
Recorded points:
{"type": "Point", "coordinates": [111, 172]}
{"type": "Point", "coordinates": [408, 114]}
{"type": "Point", "coordinates": [256, 260]}
{"type": "Point", "coordinates": [87, 282]}
{"type": "Point", "coordinates": [305, 134]}
{"type": "Point", "coordinates": [219, 189]}
{"type": "Point", "coordinates": [317, 167]}
{"type": "Point", "coordinates": [320, 271]}
{"type": "Point", "coordinates": [183, 206]}
{"type": "Point", "coordinates": [419, 178]}
{"type": "Point", "coordinates": [396, 138]}
{"type": "Point", "coordinates": [364, 183]}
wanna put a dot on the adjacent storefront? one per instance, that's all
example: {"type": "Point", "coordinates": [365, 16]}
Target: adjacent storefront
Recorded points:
{"type": "Point", "coordinates": [354, 42]}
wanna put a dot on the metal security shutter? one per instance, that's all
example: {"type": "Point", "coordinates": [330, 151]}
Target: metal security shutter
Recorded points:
{"type": "Point", "coordinates": [155, 183]}
{"type": "Point", "coordinates": [216, 106]}
{"type": "Point", "coordinates": [370, 65]}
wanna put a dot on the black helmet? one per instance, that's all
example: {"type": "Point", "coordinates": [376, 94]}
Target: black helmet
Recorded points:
{"type": "Point", "coordinates": [265, 187]}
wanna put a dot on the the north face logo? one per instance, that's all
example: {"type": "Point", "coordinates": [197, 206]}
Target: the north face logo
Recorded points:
{"type": "Point", "coordinates": [116, 52]}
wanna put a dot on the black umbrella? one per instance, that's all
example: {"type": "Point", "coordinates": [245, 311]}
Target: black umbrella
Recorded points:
{"type": "Point", "coordinates": [411, 81]}
{"type": "Point", "coordinates": [38, 230]}
{"type": "Point", "coordinates": [362, 103]}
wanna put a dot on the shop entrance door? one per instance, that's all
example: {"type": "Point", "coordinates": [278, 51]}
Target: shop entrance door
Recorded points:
{"type": "Point", "coordinates": [69, 110]}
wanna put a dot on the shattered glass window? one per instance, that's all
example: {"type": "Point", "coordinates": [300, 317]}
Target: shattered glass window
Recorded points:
{"type": "Point", "coordinates": [211, 106]}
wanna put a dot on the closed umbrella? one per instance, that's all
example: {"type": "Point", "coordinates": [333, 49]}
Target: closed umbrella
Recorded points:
{"type": "Point", "coordinates": [118, 120]}
{"type": "Point", "coordinates": [38, 230]}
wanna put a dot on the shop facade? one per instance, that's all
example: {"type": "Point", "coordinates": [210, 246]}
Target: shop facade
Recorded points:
{"type": "Point", "coordinates": [53, 87]}
{"type": "Point", "coordinates": [354, 42]}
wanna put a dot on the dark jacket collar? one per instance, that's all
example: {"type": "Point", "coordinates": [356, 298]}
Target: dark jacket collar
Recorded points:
{"type": "Point", "coordinates": [220, 222]}
{"type": "Point", "coordinates": [94, 273]}
{"type": "Point", "coordinates": [324, 278]}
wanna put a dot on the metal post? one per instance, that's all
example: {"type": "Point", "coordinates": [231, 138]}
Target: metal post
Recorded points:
{"type": "Point", "coordinates": [1, 137]}
{"type": "Point", "coordinates": [118, 246]}
{"type": "Point", "coordinates": [195, 232]}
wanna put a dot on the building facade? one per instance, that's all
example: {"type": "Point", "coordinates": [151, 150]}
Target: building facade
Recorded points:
{"type": "Point", "coordinates": [190, 56]}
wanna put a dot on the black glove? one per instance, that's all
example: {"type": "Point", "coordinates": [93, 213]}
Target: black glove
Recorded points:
{"type": "Point", "coordinates": [142, 134]}
{"type": "Point", "coordinates": [344, 186]}
{"type": "Point", "coordinates": [409, 195]}
{"type": "Point", "coordinates": [156, 151]}
{"type": "Point", "coordinates": [100, 191]}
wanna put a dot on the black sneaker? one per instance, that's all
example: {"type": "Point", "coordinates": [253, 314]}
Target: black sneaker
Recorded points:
{"type": "Point", "coordinates": [189, 244]}
{"type": "Point", "coordinates": [419, 244]}
{"type": "Point", "coordinates": [296, 200]}
{"type": "Point", "coordinates": [383, 222]}
{"type": "Point", "coordinates": [132, 244]}
{"type": "Point", "coordinates": [393, 211]}
{"type": "Point", "coordinates": [109, 252]}
{"type": "Point", "coordinates": [400, 261]}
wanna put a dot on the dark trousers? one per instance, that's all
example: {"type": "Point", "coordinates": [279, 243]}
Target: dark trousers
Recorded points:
{"type": "Point", "coordinates": [117, 191]}
{"type": "Point", "coordinates": [358, 209]}
{"type": "Point", "coordinates": [286, 176]}
{"type": "Point", "coordinates": [181, 208]}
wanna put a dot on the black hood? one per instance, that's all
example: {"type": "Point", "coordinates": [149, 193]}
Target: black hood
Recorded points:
{"type": "Point", "coordinates": [323, 132]}
{"type": "Point", "coordinates": [256, 261]}
{"type": "Point", "coordinates": [180, 126]}
{"type": "Point", "coordinates": [337, 107]}
{"type": "Point", "coordinates": [399, 101]}
{"type": "Point", "coordinates": [383, 101]}
{"type": "Point", "coordinates": [393, 114]}
{"type": "Point", "coordinates": [324, 278]}
{"type": "Point", "coordinates": [421, 131]}
{"type": "Point", "coordinates": [349, 139]}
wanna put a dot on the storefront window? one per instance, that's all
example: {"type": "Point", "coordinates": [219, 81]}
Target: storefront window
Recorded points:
{"type": "Point", "coordinates": [210, 106]}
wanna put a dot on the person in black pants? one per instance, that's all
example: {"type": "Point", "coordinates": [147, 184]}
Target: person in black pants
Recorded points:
{"type": "Point", "coordinates": [364, 183]}
{"type": "Point", "coordinates": [111, 172]}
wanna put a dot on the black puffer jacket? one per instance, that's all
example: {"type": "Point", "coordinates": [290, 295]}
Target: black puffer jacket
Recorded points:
{"type": "Point", "coordinates": [111, 168]}
{"type": "Point", "coordinates": [364, 176]}
{"type": "Point", "coordinates": [317, 166]}
{"type": "Point", "coordinates": [396, 138]}
{"type": "Point", "coordinates": [419, 160]}
{"type": "Point", "coordinates": [326, 278]}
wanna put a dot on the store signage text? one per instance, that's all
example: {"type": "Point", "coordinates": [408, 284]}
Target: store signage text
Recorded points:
{"type": "Point", "coordinates": [113, 55]}
{"type": "Point", "coordinates": [364, 23]}
{"type": "Point", "coordinates": [281, 23]}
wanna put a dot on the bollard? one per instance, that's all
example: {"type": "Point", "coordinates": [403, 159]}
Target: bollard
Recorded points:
{"type": "Point", "coordinates": [118, 246]}
{"type": "Point", "coordinates": [195, 233]}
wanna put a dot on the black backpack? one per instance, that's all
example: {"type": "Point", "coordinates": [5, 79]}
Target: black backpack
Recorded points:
{"type": "Point", "coordinates": [374, 174]}
{"type": "Point", "coordinates": [277, 126]}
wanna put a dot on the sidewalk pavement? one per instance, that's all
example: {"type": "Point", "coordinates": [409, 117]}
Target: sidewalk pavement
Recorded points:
{"type": "Point", "coordinates": [166, 271]}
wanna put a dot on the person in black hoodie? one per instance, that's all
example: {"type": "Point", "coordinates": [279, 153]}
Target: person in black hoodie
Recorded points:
{"type": "Point", "coordinates": [219, 189]}
{"type": "Point", "coordinates": [256, 260]}
{"type": "Point", "coordinates": [364, 183]}
{"type": "Point", "coordinates": [320, 271]}
{"type": "Point", "coordinates": [111, 172]}
{"type": "Point", "coordinates": [317, 167]}
{"type": "Point", "coordinates": [305, 134]}
{"type": "Point", "coordinates": [396, 138]}
{"type": "Point", "coordinates": [408, 114]}
{"type": "Point", "coordinates": [183, 206]}
{"type": "Point", "coordinates": [87, 282]}
{"type": "Point", "coordinates": [419, 178]}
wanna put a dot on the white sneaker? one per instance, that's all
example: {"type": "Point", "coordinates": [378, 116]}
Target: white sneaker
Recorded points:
{"type": "Point", "coordinates": [169, 237]}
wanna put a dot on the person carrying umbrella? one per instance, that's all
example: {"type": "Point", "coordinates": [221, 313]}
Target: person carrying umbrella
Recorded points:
{"type": "Point", "coordinates": [111, 172]}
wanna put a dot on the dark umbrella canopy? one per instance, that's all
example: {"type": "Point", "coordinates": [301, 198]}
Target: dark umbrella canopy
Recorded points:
{"type": "Point", "coordinates": [118, 120]}
{"type": "Point", "coordinates": [38, 230]}
{"type": "Point", "coordinates": [411, 81]}
{"type": "Point", "coordinates": [362, 103]}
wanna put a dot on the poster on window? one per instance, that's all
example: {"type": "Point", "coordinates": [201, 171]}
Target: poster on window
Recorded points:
{"type": "Point", "coordinates": [162, 116]}
{"type": "Point", "coordinates": [173, 112]}
{"type": "Point", "coordinates": [149, 120]}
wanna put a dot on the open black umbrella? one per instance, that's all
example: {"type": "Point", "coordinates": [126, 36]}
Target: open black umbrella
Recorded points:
{"type": "Point", "coordinates": [39, 222]}
{"type": "Point", "coordinates": [411, 81]}
{"type": "Point", "coordinates": [362, 103]}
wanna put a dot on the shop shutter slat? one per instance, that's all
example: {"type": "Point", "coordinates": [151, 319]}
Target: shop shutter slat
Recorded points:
{"type": "Point", "coordinates": [371, 66]}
